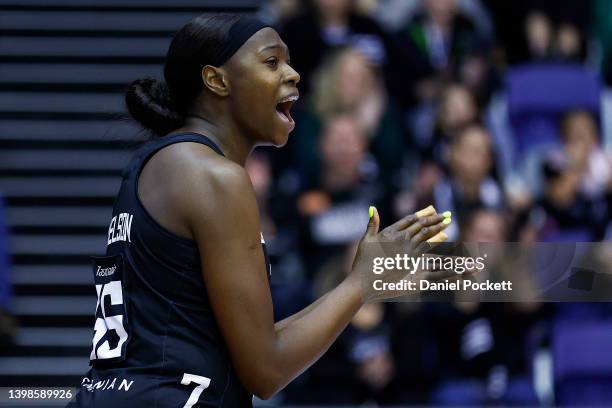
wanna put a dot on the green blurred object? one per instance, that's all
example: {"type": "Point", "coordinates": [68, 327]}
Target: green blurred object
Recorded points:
{"type": "Point", "coordinates": [602, 27]}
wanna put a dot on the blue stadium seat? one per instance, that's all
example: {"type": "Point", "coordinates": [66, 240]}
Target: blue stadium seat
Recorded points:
{"type": "Point", "coordinates": [538, 96]}
{"type": "Point", "coordinates": [583, 363]}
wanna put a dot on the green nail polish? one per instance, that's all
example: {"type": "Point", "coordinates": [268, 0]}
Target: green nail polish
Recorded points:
{"type": "Point", "coordinates": [446, 221]}
{"type": "Point", "coordinates": [371, 211]}
{"type": "Point", "coordinates": [447, 214]}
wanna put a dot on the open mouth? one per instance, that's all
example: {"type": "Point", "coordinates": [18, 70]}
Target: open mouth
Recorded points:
{"type": "Point", "coordinates": [283, 108]}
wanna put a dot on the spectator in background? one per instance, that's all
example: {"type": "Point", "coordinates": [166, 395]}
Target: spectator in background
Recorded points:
{"type": "Point", "coordinates": [482, 346]}
{"type": "Point", "coordinates": [392, 14]}
{"type": "Point", "coordinates": [433, 129]}
{"type": "Point", "coordinates": [431, 44]}
{"type": "Point", "coordinates": [327, 25]}
{"type": "Point", "coordinates": [290, 291]}
{"type": "Point", "coordinates": [576, 185]}
{"type": "Point", "coordinates": [582, 144]}
{"type": "Point", "coordinates": [337, 202]}
{"type": "Point", "coordinates": [348, 84]}
{"type": "Point", "coordinates": [359, 367]}
{"type": "Point", "coordinates": [7, 323]}
{"type": "Point", "coordinates": [539, 36]}
{"type": "Point", "coordinates": [469, 181]}
{"type": "Point", "coordinates": [275, 12]}
{"type": "Point", "coordinates": [258, 168]}
{"type": "Point", "coordinates": [455, 109]}
{"type": "Point", "coordinates": [547, 42]}
{"type": "Point", "coordinates": [530, 30]}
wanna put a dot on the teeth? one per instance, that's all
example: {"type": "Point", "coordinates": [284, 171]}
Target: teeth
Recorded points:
{"type": "Point", "coordinates": [291, 98]}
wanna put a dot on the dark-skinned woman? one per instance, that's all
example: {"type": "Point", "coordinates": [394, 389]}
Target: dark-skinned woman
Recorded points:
{"type": "Point", "coordinates": [184, 315]}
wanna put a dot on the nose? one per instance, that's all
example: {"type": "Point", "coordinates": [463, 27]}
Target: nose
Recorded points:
{"type": "Point", "coordinates": [292, 75]}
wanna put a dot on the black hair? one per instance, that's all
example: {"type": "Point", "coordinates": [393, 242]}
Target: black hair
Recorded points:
{"type": "Point", "coordinates": [162, 106]}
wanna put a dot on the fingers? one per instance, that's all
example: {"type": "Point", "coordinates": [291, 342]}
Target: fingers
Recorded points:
{"type": "Point", "coordinates": [404, 222]}
{"type": "Point", "coordinates": [423, 224]}
{"type": "Point", "coordinates": [438, 238]}
{"type": "Point", "coordinates": [430, 210]}
{"type": "Point", "coordinates": [374, 222]}
{"type": "Point", "coordinates": [412, 218]}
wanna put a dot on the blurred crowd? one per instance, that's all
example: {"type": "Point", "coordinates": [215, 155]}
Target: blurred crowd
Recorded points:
{"type": "Point", "coordinates": [494, 110]}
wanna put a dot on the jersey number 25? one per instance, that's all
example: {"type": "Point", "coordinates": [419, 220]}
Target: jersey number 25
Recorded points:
{"type": "Point", "coordinates": [109, 331]}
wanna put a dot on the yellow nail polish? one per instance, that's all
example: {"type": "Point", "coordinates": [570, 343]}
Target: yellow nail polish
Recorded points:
{"type": "Point", "coordinates": [446, 221]}
{"type": "Point", "coordinates": [371, 211]}
{"type": "Point", "coordinates": [447, 214]}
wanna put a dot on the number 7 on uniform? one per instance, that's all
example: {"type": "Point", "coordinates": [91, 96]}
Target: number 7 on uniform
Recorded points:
{"type": "Point", "coordinates": [203, 384]}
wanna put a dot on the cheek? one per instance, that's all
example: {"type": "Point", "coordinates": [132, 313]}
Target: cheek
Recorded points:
{"type": "Point", "coordinates": [254, 83]}
{"type": "Point", "coordinates": [254, 97]}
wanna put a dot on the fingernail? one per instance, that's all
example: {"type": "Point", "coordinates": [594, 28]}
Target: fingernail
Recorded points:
{"type": "Point", "coordinates": [446, 221]}
{"type": "Point", "coordinates": [371, 211]}
{"type": "Point", "coordinates": [447, 214]}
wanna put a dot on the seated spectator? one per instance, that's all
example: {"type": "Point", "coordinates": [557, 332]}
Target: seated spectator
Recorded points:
{"type": "Point", "coordinates": [336, 204]}
{"type": "Point", "coordinates": [547, 42]}
{"type": "Point", "coordinates": [326, 25]}
{"type": "Point", "coordinates": [290, 290]}
{"type": "Point", "coordinates": [577, 179]}
{"type": "Point", "coordinates": [432, 129]}
{"type": "Point", "coordinates": [539, 36]}
{"type": "Point", "coordinates": [347, 84]}
{"type": "Point", "coordinates": [469, 182]}
{"type": "Point", "coordinates": [582, 144]}
{"type": "Point", "coordinates": [275, 12]}
{"type": "Point", "coordinates": [360, 366]}
{"type": "Point", "coordinates": [431, 44]}
{"type": "Point", "coordinates": [258, 168]}
{"type": "Point", "coordinates": [548, 29]}
{"type": "Point", "coordinates": [394, 13]}
{"type": "Point", "coordinates": [476, 71]}
{"type": "Point", "coordinates": [482, 346]}
{"type": "Point", "coordinates": [456, 108]}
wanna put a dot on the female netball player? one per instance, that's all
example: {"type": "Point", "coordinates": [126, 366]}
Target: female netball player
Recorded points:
{"type": "Point", "coordinates": [184, 314]}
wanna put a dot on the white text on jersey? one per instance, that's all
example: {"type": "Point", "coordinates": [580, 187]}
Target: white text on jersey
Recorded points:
{"type": "Point", "coordinates": [120, 228]}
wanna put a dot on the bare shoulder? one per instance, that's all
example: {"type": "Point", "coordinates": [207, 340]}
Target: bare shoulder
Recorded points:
{"type": "Point", "coordinates": [205, 185]}
{"type": "Point", "coordinates": [198, 166]}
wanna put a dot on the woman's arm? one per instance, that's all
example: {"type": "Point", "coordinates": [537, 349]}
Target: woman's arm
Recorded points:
{"type": "Point", "coordinates": [219, 205]}
{"type": "Point", "coordinates": [281, 324]}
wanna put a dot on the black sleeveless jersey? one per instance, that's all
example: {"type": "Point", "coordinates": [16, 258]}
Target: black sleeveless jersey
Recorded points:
{"type": "Point", "coordinates": [156, 342]}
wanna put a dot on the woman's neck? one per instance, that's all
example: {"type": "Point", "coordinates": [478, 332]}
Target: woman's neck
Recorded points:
{"type": "Point", "coordinates": [234, 145]}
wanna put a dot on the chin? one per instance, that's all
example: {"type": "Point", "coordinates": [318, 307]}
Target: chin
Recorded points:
{"type": "Point", "coordinates": [281, 141]}
{"type": "Point", "coordinates": [278, 137]}
{"type": "Point", "coordinates": [277, 140]}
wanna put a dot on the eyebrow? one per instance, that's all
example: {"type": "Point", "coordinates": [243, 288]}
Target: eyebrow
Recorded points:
{"type": "Point", "coordinates": [280, 46]}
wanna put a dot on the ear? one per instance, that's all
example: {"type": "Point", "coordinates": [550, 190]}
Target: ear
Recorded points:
{"type": "Point", "coordinates": [215, 80]}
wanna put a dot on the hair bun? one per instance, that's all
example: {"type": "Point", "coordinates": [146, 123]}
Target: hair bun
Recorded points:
{"type": "Point", "coordinates": [148, 101]}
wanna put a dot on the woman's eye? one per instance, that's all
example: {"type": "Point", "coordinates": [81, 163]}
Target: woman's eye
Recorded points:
{"type": "Point", "coordinates": [272, 62]}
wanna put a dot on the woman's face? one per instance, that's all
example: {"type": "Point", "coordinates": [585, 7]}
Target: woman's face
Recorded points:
{"type": "Point", "coordinates": [342, 146]}
{"type": "Point", "coordinates": [457, 108]}
{"type": "Point", "coordinates": [581, 128]}
{"type": "Point", "coordinates": [471, 155]}
{"type": "Point", "coordinates": [353, 79]}
{"type": "Point", "coordinates": [333, 7]}
{"type": "Point", "coordinates": [486, 226]}
{"type": "Point", "coordinates": [262, 88]}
